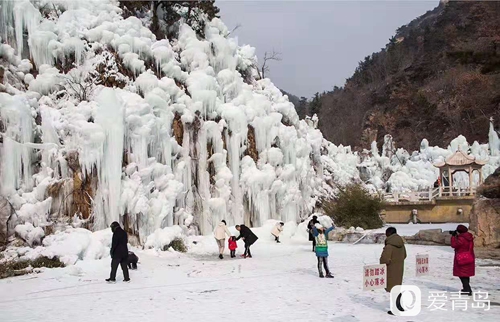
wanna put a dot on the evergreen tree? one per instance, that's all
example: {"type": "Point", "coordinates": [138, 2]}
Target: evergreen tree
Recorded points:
{"type": "Point", "coordinates": [167, 15]}
{"type": "Point", "coordinates": [302, 108]}
{"type": "Point", "coordinates": [315, 104]}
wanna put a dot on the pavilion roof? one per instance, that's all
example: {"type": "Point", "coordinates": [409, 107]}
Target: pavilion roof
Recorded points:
{"type": "Point", "coordinates": [458, 159]}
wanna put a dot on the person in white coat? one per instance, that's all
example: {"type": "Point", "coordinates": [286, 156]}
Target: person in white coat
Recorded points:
{"type": "Point", "coordinates": [277, 231]}
{"type": "Point", "coordinates": [220, 233]}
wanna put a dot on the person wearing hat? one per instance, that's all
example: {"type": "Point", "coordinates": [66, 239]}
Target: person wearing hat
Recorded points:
{"type": "Point", "coordinates": [394, 255]}
{"type": "Point", "coordinates": [321, 249]}
{"type": "Point", "coordinates": [464, 262]}
{"type": "Point", "coordinates": [119, 253]}
{"type": "Point", "coordinates": [310, 226]}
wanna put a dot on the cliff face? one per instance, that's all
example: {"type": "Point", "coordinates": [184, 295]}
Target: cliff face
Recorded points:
{"type": "Point", "coordinates": [485, 215]}
{"type": "Point", "coordinates": [438, 77]}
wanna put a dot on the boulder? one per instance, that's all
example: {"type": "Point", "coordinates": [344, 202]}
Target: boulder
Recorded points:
{"type": "Point", "coordinates": [429, 237]}
{"type": "Point", "coordinates": [5, 213]}
{"type": "Point", "coordinates": [432, 235]}
{"type": "Point", "coordinates": [350, 237]}
{"type": "Point", "coordinates": [485, 222]}
{"type": "Point", "coordinates": [491, 186]}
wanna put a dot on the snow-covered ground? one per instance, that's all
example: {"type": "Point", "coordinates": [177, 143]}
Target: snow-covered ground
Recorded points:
{"type": "Point", "coordinates": [280, 283]}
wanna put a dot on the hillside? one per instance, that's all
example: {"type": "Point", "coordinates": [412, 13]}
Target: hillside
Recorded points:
{"type": "Point", "coordinates": [437, 78]}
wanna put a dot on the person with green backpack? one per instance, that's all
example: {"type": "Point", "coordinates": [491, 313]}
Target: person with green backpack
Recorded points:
{"type": "Point", "coordinates": [321, 238]}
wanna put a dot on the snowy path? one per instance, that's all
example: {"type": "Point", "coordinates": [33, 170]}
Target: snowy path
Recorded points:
{"type": "Point", "coordinates": [279, 284]}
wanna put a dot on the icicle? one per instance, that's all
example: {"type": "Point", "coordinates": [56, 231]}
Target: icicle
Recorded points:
{"type": "Point", "coordinates": [49, 135]}
{"type": "Point", "coordinates": [110, 115]}
{"type": "Point", "coordinates": [493, 139]}
{"type": "Point", "coordinates": [16, 114]}
{"type": "Point", "coordinates": [374, 149]}
{"type": "Point", "coordinates": [26, 16]}
{"type": "Point", "coordinates": [203, 178]}
{"type": "Point", "coordinates": [74, 45]}
{"type": "Point", "coordinates": [234, 164]}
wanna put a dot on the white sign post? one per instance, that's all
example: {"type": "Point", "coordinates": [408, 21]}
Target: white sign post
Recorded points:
{"type": "Point", "coordinates": [374, 277]}
{"type": "Point", "coordinates": [422, 264]}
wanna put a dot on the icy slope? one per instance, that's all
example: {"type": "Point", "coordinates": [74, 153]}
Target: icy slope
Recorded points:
{"type": "Point", "coordinates": [104, 122]}
{"type": "Point", "coordinates": [101, 121]}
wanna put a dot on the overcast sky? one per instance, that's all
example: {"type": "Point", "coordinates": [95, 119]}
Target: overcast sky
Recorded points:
{"type": "Point", "coordinates": [321, 41]}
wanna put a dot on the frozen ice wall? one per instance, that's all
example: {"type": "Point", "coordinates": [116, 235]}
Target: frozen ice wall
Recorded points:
{"type": "Point", "coordinates": [112, 124]}
{"type": "Point", "coordinates": [101, 121]}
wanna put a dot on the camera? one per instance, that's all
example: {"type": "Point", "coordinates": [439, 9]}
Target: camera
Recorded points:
{"type": "Point", "coordinates": [453, 232]}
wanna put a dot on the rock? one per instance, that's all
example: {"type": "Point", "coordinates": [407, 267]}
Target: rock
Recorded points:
{"type": "Point", "coordinates": [336, 235]}
{"type": "Point", "coordinates": [370, 238]}
{"type": "Point", "coordinates": [421, 242]}
{"type": "Point", "coordinates": [429, 237]}
{"type": "Point", "coordinates": [488, 253]}
{"type": "Point", "coordinates": [433, 235]}
{"type": "Point", "coordinates": [17, 242]}
{"type": "Point", "coordinates": [30, 234]}
{"type": "Point", "coordinates": [491, 186]}
{"type": "Point", "coordinates": [5, 213]}
{"type": "Point", "coordinates": [351, 237]}
{"type": "Point", "coordinates": [252, 144]}
{"type": "Point", "coordinates": [485, 221]}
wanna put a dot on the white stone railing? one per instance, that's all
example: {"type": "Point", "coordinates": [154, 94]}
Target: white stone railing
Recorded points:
{"type": "Point", "coordinates": [428, 195]}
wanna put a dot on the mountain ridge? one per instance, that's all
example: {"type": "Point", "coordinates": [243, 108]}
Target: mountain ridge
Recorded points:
{"type": "Point", "coordinates": [437, 78]}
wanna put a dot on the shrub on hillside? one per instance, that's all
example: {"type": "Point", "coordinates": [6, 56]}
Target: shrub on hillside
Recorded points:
{"type": "Point", "coordinates": [22, 267]}
{"type": "Point", "coordinates": [177, 244]}
{"type": "Point", "coordinates": [355, 207]}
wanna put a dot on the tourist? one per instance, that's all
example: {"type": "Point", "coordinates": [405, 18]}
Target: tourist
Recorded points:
{"type": "Point", "coordinates": [220, 233]}
{"type": "Point", "coordinates": [310, 226]}
{"type": "Point", "coordinates": [248, 237]}
{"type": "Point", "coordinates": [132, 260]}
{"type": "Point", "coordinates": [464, 262]}
{"type": "Point", "coordinates": [277, 231]}
{"type": "Point", "coordinates": [321, 249]}
{"type": "Point", "coordinates": [393, 256]}
{"type": "Point", "coordinates": [232, 245]}
{"type": "Point", "coordinates": [119, 253]}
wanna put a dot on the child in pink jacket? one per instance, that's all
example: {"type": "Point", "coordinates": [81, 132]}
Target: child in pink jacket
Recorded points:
{"type": "Point", "coordinates": [232, 246]}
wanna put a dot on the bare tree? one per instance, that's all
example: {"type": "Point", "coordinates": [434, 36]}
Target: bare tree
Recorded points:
{"type": "Point", "coordinates": [238, 26]}
{"type": "Point", "coordinates": [274, 55]}
{"type": "Point", "coordinates": [80, 84]}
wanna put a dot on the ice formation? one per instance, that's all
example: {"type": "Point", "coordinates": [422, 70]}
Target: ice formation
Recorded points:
{"type": "Point", "coordinates": [106, 122]}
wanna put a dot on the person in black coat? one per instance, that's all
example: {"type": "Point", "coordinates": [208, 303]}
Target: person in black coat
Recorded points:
{"type": "Point", "coordinates": [248, 237]}
{"type": "Point", "coordinates": [310, 226]}
{"type": "Point", "coordinates": [119, 253]}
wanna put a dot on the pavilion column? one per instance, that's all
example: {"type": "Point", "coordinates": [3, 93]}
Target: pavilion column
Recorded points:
{"type": "Point", "coordinates": [470, 179]}
{"type": "Point", "coordinates": [440, 182]}
{"type": "Point", "coordinates": [450, 181]}
{"type": "Point", "coordinates": [480, 175]}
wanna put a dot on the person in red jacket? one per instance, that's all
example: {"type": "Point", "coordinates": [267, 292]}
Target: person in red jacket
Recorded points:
{"type": "Point", "coordinates": [232, 246]}
{"type": "Point", "coordinates": [464, 262]}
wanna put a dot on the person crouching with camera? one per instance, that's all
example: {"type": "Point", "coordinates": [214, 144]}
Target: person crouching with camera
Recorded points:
{"type": "Point", "coordinates": [464, 263]}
